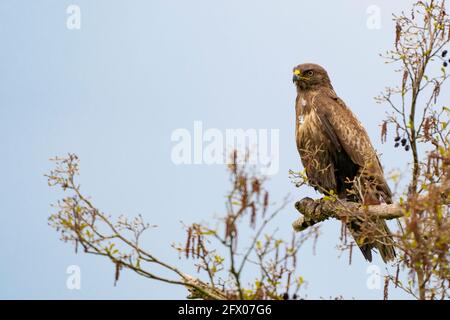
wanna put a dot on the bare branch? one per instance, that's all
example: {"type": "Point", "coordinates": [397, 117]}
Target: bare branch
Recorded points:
{"type": "Point", "coordinates": [315, 211]}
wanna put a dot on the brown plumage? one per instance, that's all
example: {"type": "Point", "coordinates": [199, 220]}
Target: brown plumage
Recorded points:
{"type": "Point", "coordinates": [337, 154]}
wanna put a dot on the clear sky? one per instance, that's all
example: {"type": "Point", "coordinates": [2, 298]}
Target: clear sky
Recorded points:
{"type": "Point", "coordinates": [115, 90]}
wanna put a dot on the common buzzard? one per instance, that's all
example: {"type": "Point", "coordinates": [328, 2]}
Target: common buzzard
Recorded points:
{"type": "Point", "coordinates": [337, 154]}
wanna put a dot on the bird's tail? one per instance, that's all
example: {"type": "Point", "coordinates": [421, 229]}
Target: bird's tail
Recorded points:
{"type": "Point", "coordinates": [383, 242]}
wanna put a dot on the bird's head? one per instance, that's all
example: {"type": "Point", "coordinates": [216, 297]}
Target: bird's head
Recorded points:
{"type": "Point", "coordinates": [309, 76]}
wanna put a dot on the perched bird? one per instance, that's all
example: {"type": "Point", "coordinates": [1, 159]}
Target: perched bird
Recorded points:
{"type": "Point", "coordinates": [337, 154]}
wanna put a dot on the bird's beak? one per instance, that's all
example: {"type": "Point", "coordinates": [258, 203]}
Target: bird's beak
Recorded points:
{"type": "Point", "coordinates": [296, 76]}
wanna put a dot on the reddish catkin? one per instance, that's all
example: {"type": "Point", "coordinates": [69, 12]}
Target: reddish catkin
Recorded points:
{"type": "Point", "coordinates": [266, 201]}
{"type": "Point", "coordinates": [228, 226]}
{"type": "Point", "coordinates": [436, 166]}
{"type": "Point", "coordinates": [199, 244]}
{"type": "Point", "coordinates": [234, 162]}
{"type": "Point", "coordinates": [397, 275]}
{"type": "Point", "coordinates": [404, 81]}
{"type": "Point", "coordinates": [256, 186]}
{"type": "Point", "coordinates": [288, 281]}
{"type": "Point", "coordinates": [383, 132]}
{"type": "Point", "coordinates": [386, 288]}
{"type": "Point", "coordinates": [117, 273]}
{"type": "Point", "coordinates": [398, 32]}
{"type": "Point", "coordinates": [343, 236]}
{"type": "Point", "coordinates": [436, 91]}
{"type": "Point", "coordinates": [244, 191]}
{"type": "Point", "coordinates": [426, 128]}
{"type": "Point", "coordinates": [253, 215]}
{"type": "Point", "coordinates": [193, 247]}
{"type": "Point", "coordinates": [188, 241]}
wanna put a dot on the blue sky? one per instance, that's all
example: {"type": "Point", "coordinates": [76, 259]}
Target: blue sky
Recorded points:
{"type": "Point", "coordinates": [114, 91]}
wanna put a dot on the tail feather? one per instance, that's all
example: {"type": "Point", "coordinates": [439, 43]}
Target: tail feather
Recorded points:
{"type": "Point", "coordinates": [366, 250]}
{"type": "Point", "coordinates": [382, 238]}
{"type": "Point", "coordinates": [384, 242]}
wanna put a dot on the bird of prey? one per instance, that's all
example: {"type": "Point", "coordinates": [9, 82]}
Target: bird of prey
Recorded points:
{"type": "Point", "coordinates": [337, 154]}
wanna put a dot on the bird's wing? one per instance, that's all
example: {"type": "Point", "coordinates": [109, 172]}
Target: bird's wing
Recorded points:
{"type": "Point", "coordinates": [344, 130]}
{"type": "Point", "coordinates": [327, 126]}
{"type": "Point", "coordinates": [347, 133]}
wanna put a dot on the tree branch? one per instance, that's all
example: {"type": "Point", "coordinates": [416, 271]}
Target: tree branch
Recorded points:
{"type": "Point", "coordinates": [315, 211]}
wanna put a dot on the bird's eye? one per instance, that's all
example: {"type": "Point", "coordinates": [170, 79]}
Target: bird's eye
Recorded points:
{"type": "Point", "coordinates": [310, 73]}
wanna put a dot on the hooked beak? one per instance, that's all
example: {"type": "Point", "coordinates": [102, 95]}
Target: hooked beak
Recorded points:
{"type": "Point", "coordinates": [296, 76]}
